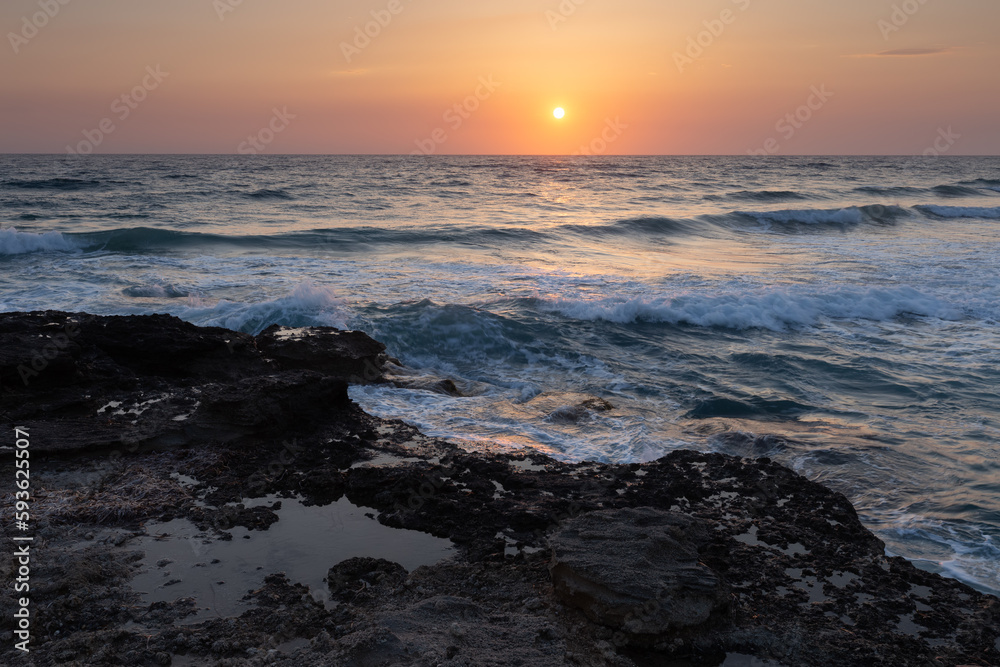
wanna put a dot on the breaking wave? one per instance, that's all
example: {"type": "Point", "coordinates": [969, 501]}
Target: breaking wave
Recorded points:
{"type": "Point", "coordinates": [13, 242]}
{"type": "Point", "coordinates": [775, 310]}
{"type": "Point", "coordinates": [309, 304]}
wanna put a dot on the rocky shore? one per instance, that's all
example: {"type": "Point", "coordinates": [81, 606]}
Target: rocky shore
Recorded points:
{"type": "Point", "coordinates": [146, 432]}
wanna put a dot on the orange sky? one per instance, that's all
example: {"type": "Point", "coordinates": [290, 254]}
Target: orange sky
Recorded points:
{"type": "Point", "coordinates": [625, 71]}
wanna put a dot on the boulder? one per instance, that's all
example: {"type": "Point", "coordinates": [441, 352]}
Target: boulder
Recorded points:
{"type": "Point", "coordinates": [636, 570]}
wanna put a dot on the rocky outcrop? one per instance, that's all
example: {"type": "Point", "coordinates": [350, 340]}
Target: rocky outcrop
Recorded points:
{"type": "Point", "coordinates": [690, 557]}
{"type": "Point", "coordinates": [637, 570]}
{"type": "Point", "coordinates": [92, 383]}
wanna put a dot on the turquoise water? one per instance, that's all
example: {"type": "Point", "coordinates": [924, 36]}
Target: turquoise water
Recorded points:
{"type": "Point", "coordinates": [846, 306]}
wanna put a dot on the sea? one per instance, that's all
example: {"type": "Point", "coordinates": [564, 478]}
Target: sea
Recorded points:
{"type": "Point", "coordinates": [836, 314]}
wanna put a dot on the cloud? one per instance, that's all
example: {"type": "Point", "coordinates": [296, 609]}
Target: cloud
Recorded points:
{"type": "Point", "coordinates": [915, 52]}
{"type": "Point", "coordinates": [900, 53]}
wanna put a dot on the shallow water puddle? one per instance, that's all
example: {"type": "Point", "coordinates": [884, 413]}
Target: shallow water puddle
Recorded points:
{"type": "Point", "coordinates": [530, 465]}
{"type": "Point", "coordinates": [384, 460]}
{"type": "Point", "coordinates": [304, 543]}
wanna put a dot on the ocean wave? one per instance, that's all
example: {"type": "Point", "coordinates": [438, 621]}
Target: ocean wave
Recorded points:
{"type": "Point", "coordinates": [428, 334]}
{"type": "Point", "coordinates": [780, 220]}
{"type": "Point", "coordinates": [154, 292]}
{"type": "Point", "coordinates": [955, 191]}
{"type": "Point", "coordinates": [889, 190]}
{"type": "Point", "coordinates": [759, 195]}
{"type": "Point", "coordinates": [850, 216]}
{"type": "Point", "coordinates": [987, 212]}
{"type": "Point", "coordinates": [754, 407]}
{"type": "Point", "coordinates": [265, 193]}
{"type": "Point", "coordinates": [151, 239]}
{"type": "Point", "coordinates": [646, 225]}
{"type": "Point", "coordinates": [128, 216]}
{"type": "Point", "coordinates": [143, 239]}
{"type": "Point", "coordinates": [54, 184]}
{"type": "Point", "coordinates": [309, 304]}
{"type": "Point", "coordinates": [744, 443]}
{"type": "Point", "coordinates": [776, 310]}
{"type": "Point", "coordinates": [964, 189]}
{"type": "Point", "coordinates": [989, 182]}
{"type": "Point", "coordinates": [451, 183]}
{"type": "Point", "coordinates": [840, 216]}
{"type": "Point", "coordinates": [13, 242]}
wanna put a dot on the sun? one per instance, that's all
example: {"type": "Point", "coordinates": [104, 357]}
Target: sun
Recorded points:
{"type": "Point", "coordinates": [559, 112]}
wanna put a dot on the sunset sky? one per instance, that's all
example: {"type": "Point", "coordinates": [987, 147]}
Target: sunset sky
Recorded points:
{"type": "Point", "coordinates": [630, 74]}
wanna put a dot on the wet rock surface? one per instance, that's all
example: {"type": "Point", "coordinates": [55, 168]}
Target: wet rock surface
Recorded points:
{"type": "Point", "coordinates": [636, 570]}
{"type": "Point", "coordinates": [96, 383]}
{"type": "Point", "coordinates": [348, 355]}
{"type": "Point", "coordinates": [141, 419]}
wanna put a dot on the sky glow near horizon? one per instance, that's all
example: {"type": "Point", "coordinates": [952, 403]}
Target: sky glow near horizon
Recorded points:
{"type": "Point", "coordinates": [441, 76]}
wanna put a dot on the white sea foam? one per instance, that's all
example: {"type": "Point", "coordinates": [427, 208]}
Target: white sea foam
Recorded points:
{"type": "Point", "coordinates": [776, 310]}
{"type": "Point", "coordinates": [309, 304]}
{"type": "Point", "coordinates": [961, 551]}
{"type": "Point", "coordinates": [986, 212]}
{"type": "Point", "coordinates": [13, 242]}
{"type": "Point", "coordinates": [983, 572]}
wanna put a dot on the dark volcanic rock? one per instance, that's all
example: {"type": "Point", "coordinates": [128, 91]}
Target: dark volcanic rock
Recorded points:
{"type": "Point", "coordinates": [689, 557]}
{"type": "Point", "coordinates": [230, 516]}
{"type": "Point", "coordinates": [50, 349]}
{"type": "Point", "coordinates": [433, 385]}
{"type": "Point", "coordinates": [281, 401]}
{"type": "Point", "coordinates": [349, 355]}
{"type": "Point", "coordinates": [580, 411]}
{"type": "Point", "coordinates": [87, 382]}
{"type": "Point", "coordinates": [636, 570]}
{"type": "Point", "coordinates": [568, 408]}
{"type": "Point", "coordinates": [807, 583]}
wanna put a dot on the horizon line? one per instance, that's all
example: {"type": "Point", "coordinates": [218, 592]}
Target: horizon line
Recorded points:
{"type": "Point", "coordinates": [559, 155]}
